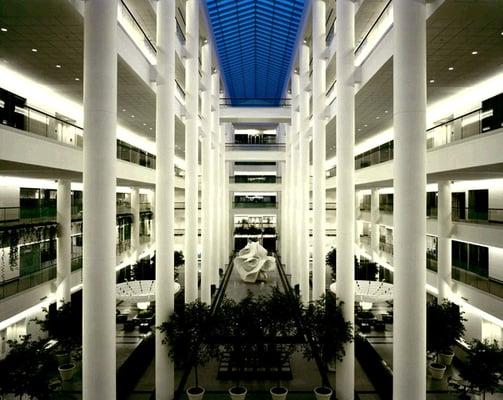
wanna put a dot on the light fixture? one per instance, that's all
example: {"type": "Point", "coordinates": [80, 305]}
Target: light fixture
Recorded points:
{"type": "Point", "coordinates": [58, 66]}
{"type": "Point", "coordinates": [150, 128]}
{"type": "Point", "coordinates": [132, 115]}
{"type": "Point", "coordinates": [123, 109]}
{"type": "Point", "coordinates": [144, 124]}
{"type": "Point", "coordinates": [432, 80]}
{"type": "Point", "coordinates": [34, 50]}
{"type": "Point", "coordinates": [475, 52]}
{"type": "Point", "coordinates": [205, 41]}
{"type": "Point", "coordinates": [365, 125]}
{"type": "Point", "coordinates": [377, 117]}
{"type": "Point", "coordinates": [385, 111]}
{"type": "Point", "coordinates": [77, 79]}
{"type": "Point", "coordinates": [359, 129]}
{"type": "Point", "coordinates": [5, 30]}
{"type": "Point", "coordinates": [451, 68]}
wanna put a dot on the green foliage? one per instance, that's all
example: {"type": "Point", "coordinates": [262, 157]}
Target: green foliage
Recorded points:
{"type": "Point", "coordinates": [484, 366]}
{"type": "Point", "coordinates": [331, 261]}
{"type": "Point", "coordinates": [187, 334]}
{"type": "Point", "coordinates": [444, 325]}
{"type": "Point", "coordinates": [329, 330]}
{"type": "Point", "coordinates": [179, 258]}
{"type": "Point", "coordinates": [27, 369]}
{"type": "Point", "coordinates": [63, 324]}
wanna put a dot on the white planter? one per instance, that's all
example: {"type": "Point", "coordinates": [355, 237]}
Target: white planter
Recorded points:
{"type": "Point", "coordinates": [66, 371]}
{"type": "Point", "coordinates": [277, 394]}
{"type": "Point", "coordinates": [195, 393]}
{"type": "Point", "coordinates": [446, 358]}
{"type": "Point", "coordinates": [437, 370]}
{"type": "Point", "coordinates": [322, 393]}
{"type": "Point", "coordinates": [236, 395]}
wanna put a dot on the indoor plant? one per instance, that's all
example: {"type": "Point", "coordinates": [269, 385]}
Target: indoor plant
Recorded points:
{"type": "Point", "coordinates": [64, 324]}
{"type": "Point", "coordinates": [329, 331]}
{"type": "Point", "coordinates": [444, 325]}
{"type": "Point", "coordinates": [27, 369]}
{"type": "Point", "coordinates": [187, 334]}
{"type": "Point", "coordinates": [484, 367]}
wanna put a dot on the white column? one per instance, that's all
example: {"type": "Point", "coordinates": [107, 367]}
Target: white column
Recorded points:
{"type": "Point", "coordinates": [151, 198]}
{"type": "Point", "coordinates": [374, 224]}
{"type": "Point", "coordinates": [444, 220]}
{"type": "Point", "coordinates": [294, 158]}
{"type": "Point", "coordinates": [285, 207]}
{"type": "Point", "coordinates": [357, 217]}
{"type": "Point", "coordinates": [303, 239]}
{"type": "Point", "coordinates": [345, 138]}
{"type": "Point", "coordinates": [207, 216]}
{"type": "Point", "coordinates": [135, 228]}
{"type": "Point", "coordinates": [64, 241]}
{"type": "Point", "coordinates": [221, 194]}
{"type": "Point", "coordinates": [216, 195]}
{"type": "Point", "coordinates": [191, 149]}
{"type": "Point", "coordinates": [319, 148]}
{"type": "Point", "coordinates": [226, 237]}
{"type": "Point", "coordinates": [409, 117]}
{"type": "Point", "coordinates": [99, 181]}
{"type": "Point", "coordinates": [165, 192]}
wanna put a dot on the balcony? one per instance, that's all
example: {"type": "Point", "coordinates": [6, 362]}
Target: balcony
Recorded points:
{"type": "Point", "coordinates": [252, 204]}
{"type": "Point", "coordinates": [255, 146]}
{"type": "Point", "coordinates": [489, 216]}
{"type": "Point", "coordinates": [478, 281]}
{"type": "Point", "coordinates": [254, 179]}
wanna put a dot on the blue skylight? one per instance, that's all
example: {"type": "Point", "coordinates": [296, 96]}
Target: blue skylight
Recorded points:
{"type": "Point", "coordinates": [255, 41]}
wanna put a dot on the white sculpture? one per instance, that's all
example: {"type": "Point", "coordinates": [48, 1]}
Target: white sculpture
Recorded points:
{"type": "Point", "coordinates": [253, 263]}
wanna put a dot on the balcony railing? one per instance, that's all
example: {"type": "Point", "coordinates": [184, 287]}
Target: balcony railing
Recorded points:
{"type": "Point", "coordinates": [386, 208]}
{"type": "Point", "coordinates": [36, 215]}
{"type": "Point", "coordinates": [486, 284]}
{"type": "Point", "coordinates": [381, 25]}
{"type": "Point", "coordinates": [255, 146]}
{"type": "Point", "coordinates": [491, 215]}
{"type": "Point", "coordinates": [25, 282]}
{"type": "Point", "coordinates": [254, 179]}
{"type": "Point", "coordinates": [386, 247]}
{"type": "Point", "coordinates": [123, 246]}
{"type": "Point", "coordinates": [257, 204]}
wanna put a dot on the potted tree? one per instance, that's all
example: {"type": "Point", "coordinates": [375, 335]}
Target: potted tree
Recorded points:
{"type": "Point", "coordinates": [28, 369]}
{"type": "Point", "coordinates": [187, 334]}
{"type": "Point", "coordinates": [444, 325]}
{"type": "Point", "coordinates": [64, 324]}
{"type": "Point", "coordinates": [483, 368]}
{"type": "Point", "coordinates": [329, 332]}
{"type": "Point", "coordinates": [280, 311]}
{"type": "Point", "coordinates": [331, 261]}
{"type": "Point", "coordinates": [179, 261]}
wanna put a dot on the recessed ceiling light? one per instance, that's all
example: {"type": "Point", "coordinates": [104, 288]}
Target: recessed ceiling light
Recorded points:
{"type": "Point", "coordinates": [77, 79]}
{"type": "Point", "coordinates": [359, 129]}
{"type": "Point", "coordinates": [58, 66]}
{"type": "Point", "coordinates": [385, 111]}
{"type": "Point", "coordinates": [34, 50]}
{"type": "Point", "coordinates": [132, 115]}
{"type": "Point", "coordinates": [451, 68]}
{"type": "Point", "coordinates": [123, 109]}
{"type": "Point", "coordinates": [432, 80]}
{"type": "Point", "coordinates": [150, 128]}
{"type": "Point", "coordinates": [475, 52]}
{"type": "Point", "coordinates": [365, 125]}
{"type": "Point", "coordinates": [144, 124]}
{"type": "Point", "coordinates": [5, 30]}
{"type": "Point", "coordinates": [377, 117]}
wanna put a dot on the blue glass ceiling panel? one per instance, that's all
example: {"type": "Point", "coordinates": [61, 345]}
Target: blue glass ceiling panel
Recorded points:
{"type": "Point", "coordinates": [255, 42]}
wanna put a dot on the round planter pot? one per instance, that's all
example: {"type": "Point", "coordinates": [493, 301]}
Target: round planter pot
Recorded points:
{"type": "Point", "coordinates": [322, 393]}
{"type": "Point", "coordinates": [446, 358]}
{"type": "Point", "coordinates": [62, 358]}
{"type": "Point", "coordinates": [238, 392]}
{"type": "Point", "coordinates": [66, 371]}
{"type": "Point", "coordinates": [195, 393]}
{"type": "Point", "coordinates": [437, 370]}
{"type": "Point", "coordinates": [278, 393]}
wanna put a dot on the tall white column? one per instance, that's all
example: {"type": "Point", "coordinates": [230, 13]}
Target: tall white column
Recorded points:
{"type": "Point", "coordinates": [303, 240]}
{"type": "Point", "coordinates": [221, 194]}
{"type": "Point", "coordinates": [151, 199]}
{"type": "Point", "coordinates": [409, 117]}
{"type": "Point", "coordinates": [226, 237]}
{"type": "Point", "coordinates": [64, 241]}
{"type": "Point", "coordinates": [296, 201]}
{"type": "Point", "coordinates": [444, 220]}
{"type": "Point", "coordinates": [191, 149]}
{"type": "Point", "coordinates": [319, 148]}
{"type": "Point", "coordinates": [165, 192]}
{"type": "Point", "coordinates": [285, 207]}
{"type": "Point", "coordinates": [357, 217]}
{"type": "Point", "coordinates": [135, 228]}
{"type": "Point", "coordinates": [345, 214]}
{"type": "Point", "coordinates": [207, 216]}
{"type": "Point", "coordinates": [374, 224]}
{"type": "Point", "coordinates": [217, 204]}
{"type": "Point", "coordinates": [99, 178]}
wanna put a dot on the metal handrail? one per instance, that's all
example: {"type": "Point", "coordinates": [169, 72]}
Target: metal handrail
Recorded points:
{"type": "Point", "coordinates": [138, 25]}
{"type": "Point", "coordinates": [454, 119]}
{"type": "Point", "coordinates": [373, 26]}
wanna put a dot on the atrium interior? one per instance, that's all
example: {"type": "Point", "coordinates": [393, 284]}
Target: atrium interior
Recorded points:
{"type": "Point", "coordinates": [260, 199]}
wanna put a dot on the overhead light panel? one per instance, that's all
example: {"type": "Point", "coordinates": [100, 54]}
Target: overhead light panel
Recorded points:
{"type": "Point", "coordinates": [5, 30]}
{"type": "Point", "coordinates": [34, 50]}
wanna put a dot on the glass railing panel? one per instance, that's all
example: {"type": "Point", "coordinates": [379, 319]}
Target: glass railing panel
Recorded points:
{"type": "Point", "coordinates": [486, 284]}
{"type": "Point", "coordinates": [129, 23]}
{"type": "Point", "coordinates": [254, 205]}
{"type": "Point", "coordinates": [254, 179]}
{"type": "Point", "coordinates": [491, 215]}
{"type": "Point", "coordinates": [380, 27]}
{"type": "Point", "coordinates": [255, 146]}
